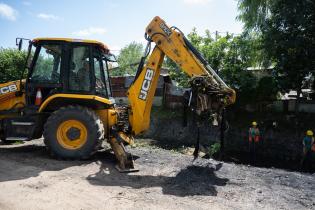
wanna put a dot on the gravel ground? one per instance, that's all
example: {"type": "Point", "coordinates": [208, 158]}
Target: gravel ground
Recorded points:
{"type": "Point", "coordinates": [31, 179]}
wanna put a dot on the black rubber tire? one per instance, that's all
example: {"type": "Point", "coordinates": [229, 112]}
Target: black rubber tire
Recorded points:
{"type": "Point", "coordinates": [92, 122]}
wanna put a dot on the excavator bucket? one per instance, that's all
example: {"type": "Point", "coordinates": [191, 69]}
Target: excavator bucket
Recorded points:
{"type": "Point", "coordinates": [125, 159]}
{"type": "Point", "coordinates": [127, 166]}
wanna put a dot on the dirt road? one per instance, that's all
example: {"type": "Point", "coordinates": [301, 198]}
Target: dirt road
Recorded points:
{"type": "Point", "coordinates": [31, 179]}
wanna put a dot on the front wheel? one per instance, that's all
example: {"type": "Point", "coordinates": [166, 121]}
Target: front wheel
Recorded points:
{"type": "Point", "coordinates": [73, 132]}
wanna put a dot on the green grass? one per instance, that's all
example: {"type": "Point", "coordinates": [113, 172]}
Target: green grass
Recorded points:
{"type": "Point", "coordinates": [17, 142]}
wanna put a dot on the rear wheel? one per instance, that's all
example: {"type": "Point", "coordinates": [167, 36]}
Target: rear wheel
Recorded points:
{"type": "Point", "coordinates": [73, 132]}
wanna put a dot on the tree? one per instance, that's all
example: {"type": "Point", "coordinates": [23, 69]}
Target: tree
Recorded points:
{"type": "Point", "coordinates": [253, 13]}
{"type": "Point", "coordinates": [127, 59]}
{"type": "Point", "coordinates": [267, 89]}
{"type": "Point", "coordinates": [288, 36]}
{"type": "Point", "coordinates": [240, 54]}
{"type": "Point", "coordinates": [12, 64]}
{"type": "Point", "coordinates": [176, 74]}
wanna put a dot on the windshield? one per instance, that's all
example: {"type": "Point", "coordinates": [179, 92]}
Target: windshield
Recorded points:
{"type": "Point", "coordinates": [47, 68]}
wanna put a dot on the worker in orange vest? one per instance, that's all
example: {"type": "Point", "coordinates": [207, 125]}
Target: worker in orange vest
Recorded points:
{"type": "Point", "coordinates": [253, 140]}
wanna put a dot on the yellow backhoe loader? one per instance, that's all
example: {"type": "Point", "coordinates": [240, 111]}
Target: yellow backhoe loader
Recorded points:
{"type": "Point", "coordinates": [66, 96]}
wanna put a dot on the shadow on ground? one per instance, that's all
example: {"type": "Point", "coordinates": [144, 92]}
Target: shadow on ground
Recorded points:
{"type": "Point", "coordinates": [24, 161]}
{"type": "Point", "coordinates": [189, 181]}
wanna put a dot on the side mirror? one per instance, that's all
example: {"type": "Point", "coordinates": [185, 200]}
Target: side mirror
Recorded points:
{"type": "Point", "coordinates": [19, 43]}
{"type": "Point", "coordinates": [110, 57]}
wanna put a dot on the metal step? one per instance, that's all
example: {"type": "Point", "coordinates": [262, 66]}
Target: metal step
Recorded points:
{"type": "Point", "coordinates": [22, 123]}
{"type": "Point", "coordinates": [16, 138]}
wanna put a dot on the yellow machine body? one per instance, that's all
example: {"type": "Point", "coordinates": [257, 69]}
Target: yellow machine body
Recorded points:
{"type": "Point", "coordinates": [9, 99]}
{"type": "Point", "coordinates": [59, 108]}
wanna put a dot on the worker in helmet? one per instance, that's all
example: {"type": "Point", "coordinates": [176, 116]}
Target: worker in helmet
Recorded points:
{"type": "Point", "coordinates": [308, 142]}
{"type": "Point", "coordinates": [253, 140]}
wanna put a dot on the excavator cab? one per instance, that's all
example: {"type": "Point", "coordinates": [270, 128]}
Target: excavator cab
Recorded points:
{"type": "Point", "coordinates": [62, 66]}
{"type": "Point", "coordinates": [60, 73]}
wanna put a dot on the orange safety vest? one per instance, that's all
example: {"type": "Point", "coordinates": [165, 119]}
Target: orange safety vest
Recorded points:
{"type": "Point", "coordinates": [253, 133]}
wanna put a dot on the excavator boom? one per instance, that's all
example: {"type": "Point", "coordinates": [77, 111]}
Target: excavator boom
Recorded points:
{"type": "Point", "coordinates": [209, 92]}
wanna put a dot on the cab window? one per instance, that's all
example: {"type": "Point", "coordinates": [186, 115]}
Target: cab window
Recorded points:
{"type": "Point", "coordinates": [47, 66]}
{"type": "Point", "coordinates": [107, 79]}
{"type": "Point", "coordinates": [100, 86]}
{"type": "Point", "coordinates": [80, 73]}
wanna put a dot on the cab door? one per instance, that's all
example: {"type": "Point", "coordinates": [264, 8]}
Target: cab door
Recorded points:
{"type": "Point", "coordinates": [45, 72]}
{"type": "Point", "coordinates": [101, 84]}
{"type": "Point", "coordinates": [80, 71]}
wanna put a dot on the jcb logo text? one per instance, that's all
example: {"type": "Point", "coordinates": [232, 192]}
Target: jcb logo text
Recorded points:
{"type": "Point", "coordinates": [8, 89]}
{"type": "Point", "coordinates": [146, 84]}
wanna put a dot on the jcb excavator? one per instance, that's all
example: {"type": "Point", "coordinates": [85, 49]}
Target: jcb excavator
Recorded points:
{"type": "Point", "coordinates": [67, 98]}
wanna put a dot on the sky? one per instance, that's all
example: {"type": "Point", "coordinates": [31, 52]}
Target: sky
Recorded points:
{"type": "Point", "coordinates": [115, 23]}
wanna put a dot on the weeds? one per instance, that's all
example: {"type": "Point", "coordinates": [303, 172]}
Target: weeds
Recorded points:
{"type": "Point", "coordinates": [214, 149]}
